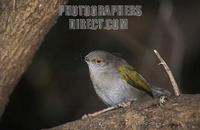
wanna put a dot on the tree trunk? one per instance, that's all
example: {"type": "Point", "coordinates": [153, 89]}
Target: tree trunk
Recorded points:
{"type": "Point", "coordinates": [181, 113]}
{"type": "Point", "coordinates": [23, 25]}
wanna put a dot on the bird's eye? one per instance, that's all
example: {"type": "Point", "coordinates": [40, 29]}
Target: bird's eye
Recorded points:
{"type": "Point", "coordinates": [98, 61]}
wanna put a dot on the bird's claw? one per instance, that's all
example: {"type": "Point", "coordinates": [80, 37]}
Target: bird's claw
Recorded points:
{"type": "Point", "coordinates": [124, 104]}
{"type": "Point", "coordinates": [162, 100]}
{"type": "Point", "coordinates": [85, 116]}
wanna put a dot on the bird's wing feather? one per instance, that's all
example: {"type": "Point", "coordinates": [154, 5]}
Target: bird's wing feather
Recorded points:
{"type": "Point", "coordinates": [129, 74]}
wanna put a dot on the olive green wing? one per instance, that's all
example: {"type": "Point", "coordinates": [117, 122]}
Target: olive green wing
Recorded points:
{"type": "Point", "coordinates": [129, 74]}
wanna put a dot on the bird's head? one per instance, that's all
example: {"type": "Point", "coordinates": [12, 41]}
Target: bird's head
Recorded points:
{"type": "Point", "coordinates": [101, 60]}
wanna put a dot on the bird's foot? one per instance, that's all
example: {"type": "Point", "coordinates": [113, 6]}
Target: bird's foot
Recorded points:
{"type": "Point", "coordinates": [98, 112]}
{"type": "Point", "coordinates": [162, 100]}
{"type": "Point", "coordinates": [124, 104]}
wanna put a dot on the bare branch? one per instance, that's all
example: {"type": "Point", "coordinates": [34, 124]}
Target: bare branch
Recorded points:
{"type": "Point", "coordinates": [171, 77]}
{"type": "Point", "coordinates": [21, 34]}
{"type": "Point", "coordinates": [181, 113]}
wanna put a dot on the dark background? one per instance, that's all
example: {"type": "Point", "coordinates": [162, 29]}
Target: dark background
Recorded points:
{"type": "Point", "coordinates": [56, 88]}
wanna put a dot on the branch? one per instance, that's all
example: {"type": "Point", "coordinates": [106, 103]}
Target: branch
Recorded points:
{"type": "Point", "coordinates": [181, 113]}
{"type": "Point", "coordinates": [23, 25]}
{"type": "Point", "coordinates": [171, 77]}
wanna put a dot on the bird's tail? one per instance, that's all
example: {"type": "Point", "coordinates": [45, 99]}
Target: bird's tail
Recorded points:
{"type": "Point", "coordinates": [158, 92]}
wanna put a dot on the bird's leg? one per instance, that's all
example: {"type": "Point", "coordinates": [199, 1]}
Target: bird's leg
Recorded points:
{"type": "Point", "coordinates": [98, 112]}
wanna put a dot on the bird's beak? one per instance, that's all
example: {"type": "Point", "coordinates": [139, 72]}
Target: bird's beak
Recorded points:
{"type": "Point", "coordinates": [86, 59]}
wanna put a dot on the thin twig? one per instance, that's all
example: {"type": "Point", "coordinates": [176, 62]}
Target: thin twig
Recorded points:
{"type": "Point", "coordinates": [171, 77]}
{"type": "Point", "coordinates": [14, 4]}
{"type": "Point", "coordinates": [98, 112]}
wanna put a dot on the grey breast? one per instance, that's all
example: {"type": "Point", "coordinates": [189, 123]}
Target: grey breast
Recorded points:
{"type": "Point", "coordinates": [113, 90]}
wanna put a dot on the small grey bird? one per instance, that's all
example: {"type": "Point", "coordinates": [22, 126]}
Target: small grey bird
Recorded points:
{"type": "Point", "coordinates": [116, 82]}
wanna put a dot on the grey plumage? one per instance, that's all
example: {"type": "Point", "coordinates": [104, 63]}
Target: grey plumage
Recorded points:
{"type": "Point", "coordinates": [108, 83]}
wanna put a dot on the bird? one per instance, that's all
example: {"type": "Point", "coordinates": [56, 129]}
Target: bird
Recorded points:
{"type": "Point", "coordinates": [116, 82]}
